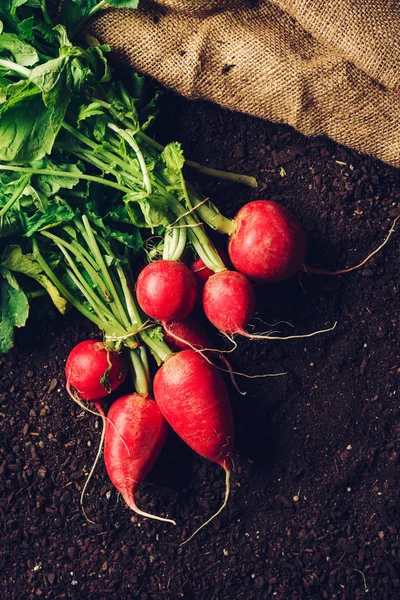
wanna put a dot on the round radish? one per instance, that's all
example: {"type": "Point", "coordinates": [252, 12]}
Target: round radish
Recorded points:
{"type": "Point", "coordinates": [202, 273]}
{"type": "Point", "coordinates": [135, 434]}
{"type": "Point", "coordinates": [228, 301]}
{"type": "Point", "coordinates": [166, 290]}
{"type": "Point", "coordinates": [94, 371]}
{"type": "Point", "coordinates": [268, 243]}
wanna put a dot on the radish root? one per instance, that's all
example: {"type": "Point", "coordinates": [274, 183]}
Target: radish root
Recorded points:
{"type": "Point", "coordinates": [227, 490]}
{"type": "Point", "coordinates": [269, 336]}
{"type": "Point", "coordinates": [130, 500]}
{"type": "Point", "coordinates": [361, 264]}
{"type": "Point", "coordinates": [96, 460]}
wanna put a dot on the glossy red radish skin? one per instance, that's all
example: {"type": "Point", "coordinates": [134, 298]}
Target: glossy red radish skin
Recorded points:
{"type": "Point", "coordinates": [94, 371]}
{"type": "Point", "coordinates": [166, 290]}
{"type": "Point", "coordinates": [181, 335]}
{"type": "Point", "coordinates": [192, 396]}
{"type": "Point", "coordinates": [203, 273]}
{"type": "Point", "coordinates": [136, 432]}
{"type": "Point", "coordinates": [229, 301]}
{"type": "Point", "coordinates": [268, 244]}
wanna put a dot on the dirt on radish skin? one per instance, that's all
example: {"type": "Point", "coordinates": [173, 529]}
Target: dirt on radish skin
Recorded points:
{"type": "Point", "coordinates": [268, 244]}
{"type": "Point", "coordinates": [166, 290]}
{"type": "Point", "coordinates": [135, 434]}
{"type": "Point", "coordinates": [229, 301]}
{"type": "Point", "coordinates": [93, 371]}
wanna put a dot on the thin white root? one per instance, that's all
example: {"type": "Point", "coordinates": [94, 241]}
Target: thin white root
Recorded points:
{"type": "Point", "coordinates": [132, 505]}
{"type": "Point", "coordinates": [256, 376]}
{"type": "Point", "coordinates": [227, 490]}
{"type": "Point", "coordinates": [362, 263]}
{"type": "Point", "coordinates": [273, 324]}
{"type": "Point", "coordinates": [97, 414]}
{"type": "Point", "coordinates": [96, 460]}
{"type": "Point", "coordinates": [287, 337]}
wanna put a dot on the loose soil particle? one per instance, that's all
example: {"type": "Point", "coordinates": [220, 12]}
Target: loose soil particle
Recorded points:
{"type": "Point", "coordinates": [314, 511]}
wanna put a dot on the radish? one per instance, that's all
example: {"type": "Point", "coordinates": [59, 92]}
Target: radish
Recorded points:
{"type": "Point", "coordinates": [268, 243]}
{"type": "Point", "coordinates": [229, 301]}
{"type": "Point", "coordinates": [94, 371]}
{"type": "Point", "coordinates": [185, 334]}
{"type": "Point", "coordinates": [202, 273]}
{"type": "Point", "coordinates": [192, 396]}
{"type": "Point", "coordinates": [135, 434]}
{"type": "Point", "coordinates": [166, 290]}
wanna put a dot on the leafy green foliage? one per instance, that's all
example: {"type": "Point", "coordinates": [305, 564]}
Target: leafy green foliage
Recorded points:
{"type": "Point", "coordinates": [14, 308]}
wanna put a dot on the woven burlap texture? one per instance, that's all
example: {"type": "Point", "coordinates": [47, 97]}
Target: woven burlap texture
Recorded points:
{"type": "Point", "coordinates": [326, 67]}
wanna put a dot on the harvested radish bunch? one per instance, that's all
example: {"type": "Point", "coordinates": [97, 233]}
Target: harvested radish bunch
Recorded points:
{"type": "Point", "coordinates": [94, 371]}
{"type": "Point", "coordinates": [192, 396]}
{"type": "Point", "coordinates": [229, 301]}
{"type": "Point", "coordinates": [166, 290]}
{"type": "Point", "coordinates": [135, 434]}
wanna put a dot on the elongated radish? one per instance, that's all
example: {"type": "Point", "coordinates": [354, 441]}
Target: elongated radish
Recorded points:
{"type": "Point", "coordinates": [268, 243]}
{"type": "Point", "coordinates": [135, 434]}
{"type": "Point", "coordinates": [166, 290]}
{"type": "Point", "coordinates": [94, 371]}
{"type": "Point", "coordinates": [192, 396]}
{"type": "Point", "coordinates": [229, 301]}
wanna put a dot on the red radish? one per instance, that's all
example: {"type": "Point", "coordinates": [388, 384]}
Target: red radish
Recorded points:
{"type": "Point", "coordinates": [190, 331]}
{"type": "Point", "coordinates": [268, 243]}
{"type": "Point", "coordinates": [135, 434]}
{"type": "Point", "coordinates": [202, 273]}
{"type": "Point", "coordinates": [192, 396]}
{"type": "Point", "coordinates": [228, 301]}
{"type": "Point", "coordinates": [94, 371]}
{"type": "Point", "coordinates": [166, 290]}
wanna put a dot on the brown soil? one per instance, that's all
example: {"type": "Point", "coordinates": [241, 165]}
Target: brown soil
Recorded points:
{"type": "Point", "coordinates": [314, 510]}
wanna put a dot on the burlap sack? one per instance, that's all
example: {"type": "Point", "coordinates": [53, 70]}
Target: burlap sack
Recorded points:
{"type": "Point", "coordinates": [326, 67]}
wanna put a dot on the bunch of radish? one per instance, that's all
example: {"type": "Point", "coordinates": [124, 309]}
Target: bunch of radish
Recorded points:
{"type": "Point", "coordinates": [186, 391]}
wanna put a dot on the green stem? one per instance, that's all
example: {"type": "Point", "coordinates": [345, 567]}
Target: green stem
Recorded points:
{"type": "Point", "coordinates": [11, 66]}
{"type": "Point", "coordinates": [98, 306]}
{"type": "Point", "coordinates": [92, 272]}
{"type": "Point", "coordinates": [135, 147]}
{"type": "Point", "coordinates": [110, 156]}
{"type": "Point", "coordinates": [159, 349]}
{"type": "Point", "coordinates": [54, 173]}
{"type": "Point", "coordinates": [91, 241]}
{"type": "Point", "coordinates": [90, 14]}
{"type": "Point", "coordinates": [16, 195]}
{"type": "Point", "coordinates": [36, 294]}
{"type": "Point", "coordinates": [211, 215]}
{"type": "Point", "coordinates": [67, 295]}
{"type": "Point", "coordinates": [139, 373]}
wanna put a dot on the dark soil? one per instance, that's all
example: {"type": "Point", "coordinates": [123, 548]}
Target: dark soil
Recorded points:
{"type": "Point", "coordinates": [314, 510]}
